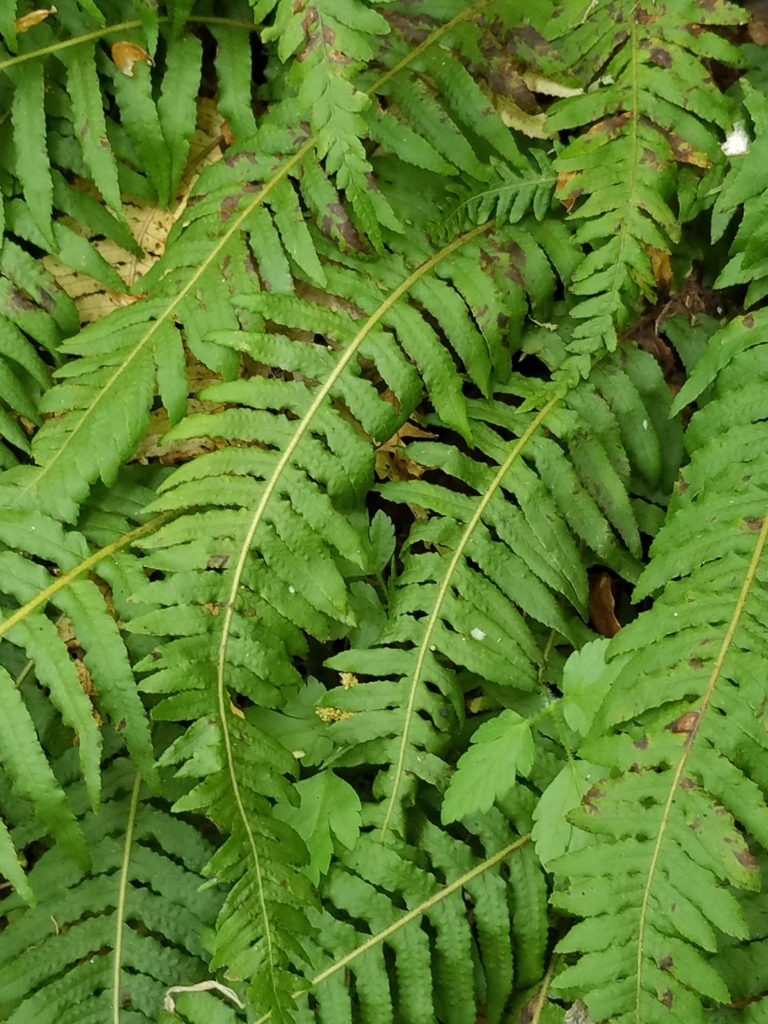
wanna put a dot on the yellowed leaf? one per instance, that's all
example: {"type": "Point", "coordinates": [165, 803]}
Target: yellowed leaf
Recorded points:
{"type": "Point", "coordinates": [662, 268]}
{"type": "Point", "coordinates": [538, 83]}
{"type": "Point", "coordinates": [126, 55]}
{"type": "Point", "coordinates": [532, 125]}
{"type": "Point", "coordinates": [28, 21]}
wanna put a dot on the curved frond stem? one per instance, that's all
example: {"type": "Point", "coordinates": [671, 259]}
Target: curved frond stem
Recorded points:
{"type": "Point", "coordinates": [517, 448]}
{"type": "Point", "coordinates": [542, 993]}
{"type": "Point", "coordinates": [690, 740]}
{"type": "Point", "coordinates": [104, 393]}
{"type": "Point", "coordinates": [422, 908]}
{"type": "Point", "coordinates": [282, 172]}
{"type": "Point", "coordinates": [85, 566]}
{"type": "Point", "coordinates": [109, 30]}
{"type": "Point", "coordinates": [258, 515]}
{"type": "Point", "coordinates": [619, 263]}
{"type": "Point", "coordinates": [120, 914]}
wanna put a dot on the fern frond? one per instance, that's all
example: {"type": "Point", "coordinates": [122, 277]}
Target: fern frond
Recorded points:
{"type": "Point", "coordinates": [77, 115]}
{"type": "Point", "coordinates": [101, 945]}
{"type": "Point", "coordinates": [680, 735]}
{"type": "Point", "coordinates": [488, 573]}
{"type": "Point", "coordinates": [742, 189]}
{"type": "Point", "coordinates": [650, 104]}
{"type": "Point", "coordinates": [60, 635]}
{"type": "Point", "coordinates": [445, 954]}
{"type": "Point", "coordinates": [296, 488]}
{"type": "Point", "coordinates": [330, 43]}
{"type": "Point", "coordinates": [36, 316]}
{"type": "Point", "coordinates": [433, 113]}
{"type": "Point", "coordinates": [506, 196]}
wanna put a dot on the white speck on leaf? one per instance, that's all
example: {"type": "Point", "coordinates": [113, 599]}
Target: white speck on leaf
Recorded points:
{"type": "Point", "coordinates": [645, 424]}
{"type": "Point", "coordinates": [736, 142]}
{"type": "Point", "coordinates": [477, 633]}
{"type": "Point", "coordinates": [291, 590]}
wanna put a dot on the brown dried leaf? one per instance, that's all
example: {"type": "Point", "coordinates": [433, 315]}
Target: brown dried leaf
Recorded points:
{"type": "Point", "coordinates": [391, 461]}
{"type": "Point", "coordinates": [149, 226]}
{"type": "Point", "coordinates": [126, 55]}
{"type": "Point", "coordinates": [28, 21]}
{"type": "Point", "coordinates": [532, 125]}
{"type": "Point", "coordinates": [602, 604]}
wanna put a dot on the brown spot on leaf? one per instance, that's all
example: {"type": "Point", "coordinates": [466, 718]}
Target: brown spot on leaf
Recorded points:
{"type": "Point", "coordinates": [695, 663]}
{"type": "Point", "coordinates": [228, 206]}
{"type": "Point", "coordinates": [641, 744]}
{"type": "Point", "coordinates": [234, 158]}
{"type": "Point", "coordinates": [594, 793]}
{"type": "Point", "coordinates": [685, 153]}
{"type": "Point", "coordinates": [666, 962]}
{"type": "Point", "coordinates": [668, 998]}
{"type": "Point", "coordinates": [21, 300]}
{"type": "Point", "coordinates": [745, 858]}
{"type": "Point", "coordinates": [755, 525]}
{"type": "Point", "coordinates": [661, 57]}
{"type": "Point", "coordinates": [610, 126]}
{"type": "Point", "coordinates": [337, 225]}
{"type": "Point", "coordinates": [563, 179]}
{"type": "Point", "coordinates": [748, 321]}
{"type": "Point", "coordinates": [651, 158]}
{"type": "Point", "coordinates": [529, 1011]}
{"type": "Point", "coordinates": [685, 723]}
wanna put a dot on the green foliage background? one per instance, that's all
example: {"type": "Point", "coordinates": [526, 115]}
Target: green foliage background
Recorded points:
{"type": "Point", "coordinates": [305, 716]}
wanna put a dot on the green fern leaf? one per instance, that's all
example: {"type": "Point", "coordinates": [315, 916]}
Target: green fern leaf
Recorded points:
{"type": "Point", "coordinates": [89, 123]}
{"type": "Point", "coordinates": [176, 108]}
{"type": "Point", "coordinates": [32, 163]}
{"type": "Point", "coordinates": [31, 775]}
{"type": "Point", "coordinates": [742, 188]}
{"type": "Point", "coordinates": [233, 70]}
{"type": "Point", "coordinates": [328, 806]}
{"type": "Point", "coordinates": [687, 793]}
{"type": "Point", "coordinates": [139, 117]}
{"type": "Point", "coordinates": [504, 748]}
{"type": "Point", "coordinates": [625, 164]}
{"type": "Point", "coordinates": [91, 948]}
{"type": "Point", "coordinates": [454, 594]}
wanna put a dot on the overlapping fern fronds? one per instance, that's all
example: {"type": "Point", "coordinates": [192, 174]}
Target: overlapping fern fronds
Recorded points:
{"type": "Point", "coordinates": [104, 943]}
{"type": "Point", "coordinates": [367, 834]}
{"type": "Point", "coordinates": [680, 736]}
{"type": "Point", "coordinates": [650, 105]}
{"type": "Point", "coordinates": [494, 572]}
{"type": "Point", "coordinates": [85, 120]}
